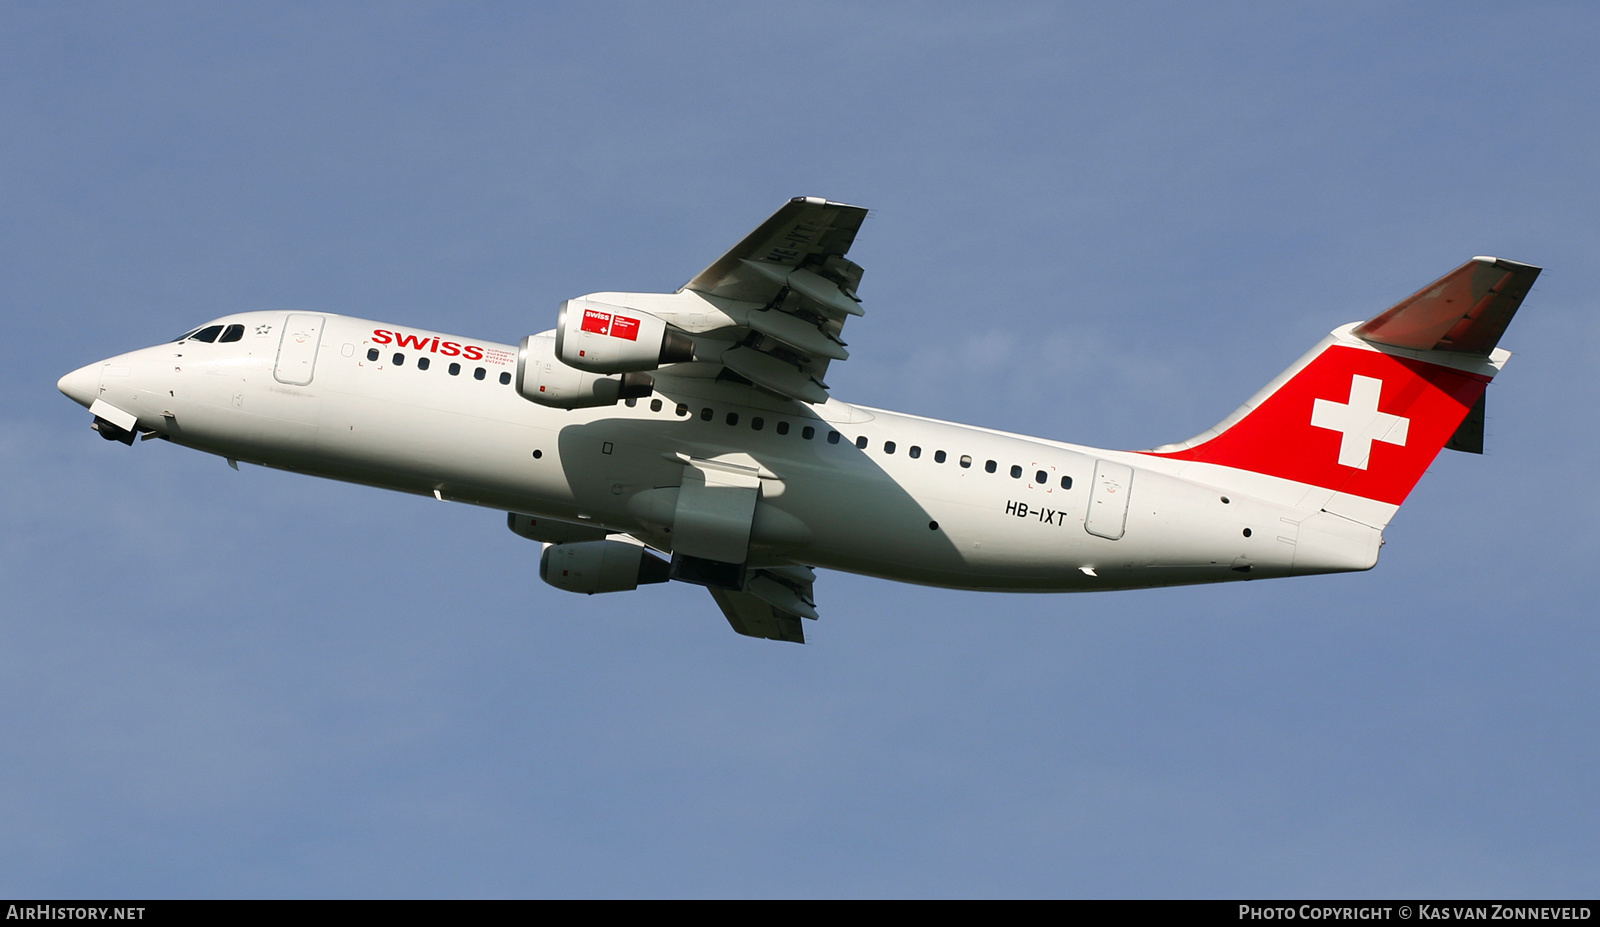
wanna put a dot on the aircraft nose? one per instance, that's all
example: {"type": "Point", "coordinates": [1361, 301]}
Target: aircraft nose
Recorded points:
{"type": "Point", "coordinates": [82, 385]}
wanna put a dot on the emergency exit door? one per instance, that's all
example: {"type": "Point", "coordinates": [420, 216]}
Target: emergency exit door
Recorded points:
{"type": "Point", "coordinates": [1108, 500]}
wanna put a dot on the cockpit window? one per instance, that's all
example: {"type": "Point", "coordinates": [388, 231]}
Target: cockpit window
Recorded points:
{"type": "Point", "coordinates": [210, 333]}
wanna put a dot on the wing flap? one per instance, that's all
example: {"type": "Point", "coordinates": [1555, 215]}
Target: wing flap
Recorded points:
{"type": "Point", "coordinates": [754, 617]}
{"type": "Point", "coordinates": [772, 603]}
{"type": "Point", "coordinates": [797, 333]}
{"type": "Point", "coordinates": [774, 374]}
{"type": "Point", "coordinates": [1466, 310]}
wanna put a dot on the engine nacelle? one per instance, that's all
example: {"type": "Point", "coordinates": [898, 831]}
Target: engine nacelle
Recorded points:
{"type": "Point", "coordinates": [601, 566]}
{"type": "Point", "coordinates": [611, 339]}
{"type": "Point", "coordinates": [543, 378]}
{"type": "Point", "coordinates": [552, 531]}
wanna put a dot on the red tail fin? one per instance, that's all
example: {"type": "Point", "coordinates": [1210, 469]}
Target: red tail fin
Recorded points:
{"type": "Point", "coordinates": [1367, 411]}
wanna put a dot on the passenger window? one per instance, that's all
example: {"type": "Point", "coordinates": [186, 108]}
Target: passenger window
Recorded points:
{"type": "Point", "coordinates": [990, 466]}
{"type": "Point", "coordinates": [757, 423]}
{"type": "Point", "coordinates": [808, 432]}
{"type": "Point", "coordinates": [655, 405]}
{"type": "Point", "coordinates": [422, 363]}
{"type": "Point", "coordinates": [630, 403]}
{"type": "Point", "coordinates": [682, 410]}
{"type": "Point", "coordinates": [966, 461]}
{"type": "Point", "coordinates": [399, 359]}
{"type": "Point", "coordinates": [208, 334]}
{"type": "Point", "coordinates": [478, 373]}
{"type": "Point", "coordinates": [861, 442]}
{"type": "Point", "coordinates": [1066, 482]}
{"type": "Point", "coordinates": [505, 378]}
{"type": "Point", "coordinates": [233, 333]}
{"type": "Point", "coordinates": [1016, 472]}
{"type": "Point", "coordinates": [733, 418]}
{"type": "Point", "coordinates": [1041, 477]}
{"type": "Point", "coordinates": [833, 437]}
{"type": "Point", "coordinates": [455, 369]}
{"type": "Point", "coordinates": [888, 447]}
{"type": "Point", "coordinates": [706, 413]}
{"type": "Point", "coordinates": [915, 452]}
{"type": "Point", "coordinates": [372, 354]}
{"type": "Point", "coordinates": [938, 456]}
{"type": "Point", "coordinates": [783, 428]}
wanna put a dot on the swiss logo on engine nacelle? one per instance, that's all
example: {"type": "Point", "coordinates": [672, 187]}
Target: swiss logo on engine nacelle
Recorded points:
{"type": "Point", "coordinates": [604, 323]}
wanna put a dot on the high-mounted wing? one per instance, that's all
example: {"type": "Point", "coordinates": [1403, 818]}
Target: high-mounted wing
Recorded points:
{"type": "Point", "coordinates": [770, 311]}
{"type": "Point", "coordinates": [793, 267]}
{"type": "Point", "coordinates": [805, 239]}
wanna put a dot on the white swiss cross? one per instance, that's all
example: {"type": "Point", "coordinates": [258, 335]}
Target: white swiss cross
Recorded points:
{"type": "Point", "coordinates": [1360, 422]}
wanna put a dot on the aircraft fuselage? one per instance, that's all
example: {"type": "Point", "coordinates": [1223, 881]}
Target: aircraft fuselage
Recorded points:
{"type": "Point", "coordinates": [843, 487]}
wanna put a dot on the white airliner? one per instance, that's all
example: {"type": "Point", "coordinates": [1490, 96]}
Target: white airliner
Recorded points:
{"type": "Point", "coordinates": [697, 424]}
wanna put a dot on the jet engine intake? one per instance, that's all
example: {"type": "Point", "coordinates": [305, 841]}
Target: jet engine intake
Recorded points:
{"type": "Point", "coordinates": [601, 566]}
{"type": "Point", "coordinates": [543, 378]}
{"type": "Point", "coordinates": [601, 338]}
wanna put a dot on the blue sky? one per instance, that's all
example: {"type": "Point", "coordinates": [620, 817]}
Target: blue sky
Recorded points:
{"type": "Point", "coordinates": [1103, 225]}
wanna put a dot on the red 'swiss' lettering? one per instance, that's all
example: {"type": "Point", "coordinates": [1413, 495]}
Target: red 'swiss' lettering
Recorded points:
{"type": "Point", "coordinates": [624, 327]}
{"type": "Point", "coordinates": [427, 343]}
{"type": "Point", "coordinates": [597, 322]}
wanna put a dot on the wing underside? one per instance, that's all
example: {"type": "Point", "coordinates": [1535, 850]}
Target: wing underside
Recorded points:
{"type": "Point", "coordinates": [769, 312]}
{"type": "Point", "coordinates": [771, 604]}
{"type": "Point", "coordinates": [797, 287]}
{"type": "Point", "coordinates": [753, 617]}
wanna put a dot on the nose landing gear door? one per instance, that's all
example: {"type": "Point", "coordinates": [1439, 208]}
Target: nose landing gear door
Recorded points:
{"type": "Point", "coordinates": [297, 352]}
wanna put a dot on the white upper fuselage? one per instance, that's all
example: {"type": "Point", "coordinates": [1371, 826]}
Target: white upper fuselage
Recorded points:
{"type": "Point", "coordinates": [920, 500]}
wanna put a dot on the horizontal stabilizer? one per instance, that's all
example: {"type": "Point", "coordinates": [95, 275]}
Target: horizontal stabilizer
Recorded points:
{"type": "Point", "coordinates": [1466, 310]}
